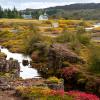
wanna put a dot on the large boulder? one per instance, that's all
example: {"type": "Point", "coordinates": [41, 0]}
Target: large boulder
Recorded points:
{"type": "Point", "coordinates": [58, 53]}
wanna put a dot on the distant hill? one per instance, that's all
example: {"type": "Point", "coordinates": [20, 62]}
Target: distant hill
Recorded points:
{"type": "Point", "coordinates": [78, 6]}
{"type": "Point", "coordinates": [73, 11]}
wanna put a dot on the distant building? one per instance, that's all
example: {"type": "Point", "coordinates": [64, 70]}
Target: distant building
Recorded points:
{"type": "Point", "coordinates": [43, 17]}
{"type": "Point", "coordinates": [27, 16]}
{"type": "Point", "coordinates": [55, 24]}
{"type": "Point", "coordinates": [14, 31]}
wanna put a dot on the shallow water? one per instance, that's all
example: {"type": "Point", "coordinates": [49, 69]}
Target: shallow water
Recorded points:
{"type": "Point", "coordinates": [96, 38]}
{"type": "Point", "coordinates": [25, 71]}
{"type": "Point", "coordinates": [90, 28]}
{"type": "Point", "coordinates": [94, 26]}
{"type": "Point", "coordinates": [97, 25]}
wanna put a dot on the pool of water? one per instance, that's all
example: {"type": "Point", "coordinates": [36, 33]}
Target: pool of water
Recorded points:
{"type": "Point", "coordinates": [96, 38]}
{"type": "Point", "coordinates": [25, 71]}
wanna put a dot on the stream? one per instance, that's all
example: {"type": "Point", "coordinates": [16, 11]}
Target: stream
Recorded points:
{"type": "Point", "coordinates": [94, 26]}
{"type": "Point", "coordinates": [90, 28]}
{"type": "Point", "coordinates": [26, 72]}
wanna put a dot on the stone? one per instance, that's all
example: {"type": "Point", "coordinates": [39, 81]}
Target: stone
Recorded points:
{"type": "Point", "coordinates": [25, 62]}
{"type": "Point", "coordinates": [56, 86]}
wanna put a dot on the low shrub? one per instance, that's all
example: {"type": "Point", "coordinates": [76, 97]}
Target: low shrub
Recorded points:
{"type": "Point", "coordinates": [84, 38]}
{"type": "Point", "coordinates": [94, 61]}
{"type": "Point", "coordinates": [91, 86]}
{"type": "Point", "coordinates": [66, 37]}
{"type": "Point", "coordinates": [41, 93]}
{"type": "Point", "coordinates": [82, 95]}
{"type": "Point", "coordinates": [69, 72]}
{"type": "Point", "coordinates": [30, 41]}
{"type": "Point", "coordinates": [54, 80]}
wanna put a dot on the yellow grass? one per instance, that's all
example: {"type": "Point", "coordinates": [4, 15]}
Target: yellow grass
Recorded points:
{"type": "Point", "coordinates": [18, 20]}
{"type": "Point", "coordinates": [97, 29]}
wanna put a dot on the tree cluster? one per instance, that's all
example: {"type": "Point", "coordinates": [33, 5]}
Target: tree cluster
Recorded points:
{"type": "Point", "coordinates": [8, 13]}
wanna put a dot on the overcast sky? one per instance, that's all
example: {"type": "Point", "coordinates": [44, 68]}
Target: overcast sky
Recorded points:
{"type": "Point", "coordinates": [23, 4]}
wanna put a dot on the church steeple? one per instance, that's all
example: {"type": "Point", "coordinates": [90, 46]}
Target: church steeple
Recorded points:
{"type": "Point", "coordinates": [45, 13]}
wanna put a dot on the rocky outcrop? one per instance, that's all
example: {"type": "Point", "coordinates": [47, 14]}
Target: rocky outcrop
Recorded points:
{"type": "Point", "coordinates": [9, 70]}
{"type": "Point", "coordinates": [39, 82]}
{"type": "Point", "coordinates": [10, 66]}
{"type": "Point", "coordinates": [27, 82]}
{"type": "Point", "coordinates": [56, 86]}
{"type": "Point", "coordinates": [4, 83]}
{"type": "Point", "coordinates": [58, 53]}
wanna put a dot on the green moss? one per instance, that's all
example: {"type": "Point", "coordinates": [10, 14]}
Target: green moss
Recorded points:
{"type": "Point", "coordinates": [54, 80]}
{"type": "Point", "coordinates": [65, 64]}
{"type": "Point", "coordinates": [3, 74]}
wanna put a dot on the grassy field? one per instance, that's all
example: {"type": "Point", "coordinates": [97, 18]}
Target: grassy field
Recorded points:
{"type": "Point", "coordinates": [14, 31]}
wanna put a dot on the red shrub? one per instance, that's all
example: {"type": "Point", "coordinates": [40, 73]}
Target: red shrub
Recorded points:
{"type": "Point", "coordinates": [58, 92]}
{"type": "Point", "coordinates": [82, 95]}
{"type": "Point", "coordinates": [69, 72]}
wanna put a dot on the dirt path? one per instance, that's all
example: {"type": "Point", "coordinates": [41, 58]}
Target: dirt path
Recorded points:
{"type": "Point", "coordinates": [8, 95]}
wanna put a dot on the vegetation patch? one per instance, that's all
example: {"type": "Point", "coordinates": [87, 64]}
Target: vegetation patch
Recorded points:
{"type": "Point", "coordinates": [41, 93]}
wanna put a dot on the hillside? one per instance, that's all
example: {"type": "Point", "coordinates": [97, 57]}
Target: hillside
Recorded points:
{"type": "Point", "coordinates": [79, 6]}
{"type": "Point", "coordinates": [74, 11]}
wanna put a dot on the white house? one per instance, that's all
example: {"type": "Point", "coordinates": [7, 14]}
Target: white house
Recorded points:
{"type": "Point", "coordinates": [27, 16]}
{"type": "Point", "coordinates": [43, 17]}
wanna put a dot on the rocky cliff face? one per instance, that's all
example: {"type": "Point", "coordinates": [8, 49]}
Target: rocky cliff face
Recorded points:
{"type": "Point", "coordinates": [58, 53]}
{"type": "Point", "coordinates": [55, 55]}
{"type": "Point", "coordinates": [9, 66]}
{"type": "Point", "coordinates": [9, 70]}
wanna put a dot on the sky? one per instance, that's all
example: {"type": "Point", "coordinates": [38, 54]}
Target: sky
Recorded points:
{"type": "Point", "coordinates": [36, 4]}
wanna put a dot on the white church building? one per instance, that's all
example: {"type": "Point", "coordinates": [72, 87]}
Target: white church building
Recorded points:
{"type": "Point", "coordinates": [43, 17]}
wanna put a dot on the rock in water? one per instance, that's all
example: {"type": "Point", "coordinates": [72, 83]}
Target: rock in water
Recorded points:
{"type": "Point", "coordinates": [25, 62]}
